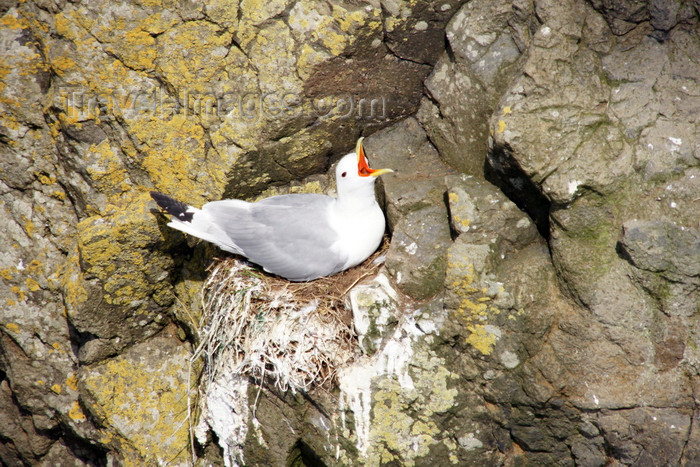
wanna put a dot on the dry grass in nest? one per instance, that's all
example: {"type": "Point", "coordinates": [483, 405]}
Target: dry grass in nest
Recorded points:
{"type": "Point", "coordinates": [293, 335]}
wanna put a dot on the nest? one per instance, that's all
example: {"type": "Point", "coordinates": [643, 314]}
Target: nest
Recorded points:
{"type": "Point", "coordinates": [294, 336]}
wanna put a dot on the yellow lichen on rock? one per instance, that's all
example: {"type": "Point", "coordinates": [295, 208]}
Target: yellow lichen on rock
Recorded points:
{"type": "Point", "coordinates": [323, 33]}
{"type": "Point", "coordinates": [73, 25]}
{"type": "Point", "coordinates": [62, 64]}
{"type": "Point", "coordinates": [472, 303]}
{"type": "Point", "coordinates": [13, 22]}
{"type": "Point", "coordinates": [116, 251]}
{"type": "Point", "coordinates": [275, 55]}
{"type": "Point", "coordinates": [501, 126]}
{"type": "Point", "coordinates": [172, 154]}
{"type": "Point", "coordinates": [347, 26]}
{"type": "Point", "coordinates": [71, 279]}
{"type": "Point", "coordinates": [464, 223]}
{"type": "Point", "coordinates": [106, 169]}
{"type": "Point", "coordinates": [19, 292]}
{"type": "Point", "coordinates": [195, 54]}
{"type": "Point", "coordinates": [403, 418]}
{"type": "Point", "coordinates": [481, 339]}
{"type": "Point", "coordinates": [31, 284]}
{"type": "Point", "coordinates": [308, 58]}
{"type": "Point", "coordinates": [76, 413]}
{"type": "Point", "coordinates": [72, 382]}
{"type": "Point", "coordinates": [252, 13]}
{"type": "Point", "coordinates": [224, 12]}
{"type": "Point", "coordinates": [137, 49]}
{"type": "Point", "coordinates": [141, 396]}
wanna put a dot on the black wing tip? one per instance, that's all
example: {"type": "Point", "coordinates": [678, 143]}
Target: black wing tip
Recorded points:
{"type": "Point", "coordinates": [158, 197]}
{"type": "Point", "coordinates": [172, 206]}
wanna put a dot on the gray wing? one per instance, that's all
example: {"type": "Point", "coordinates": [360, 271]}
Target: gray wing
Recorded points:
{"type": "Point", "coordinates": [287, 235]}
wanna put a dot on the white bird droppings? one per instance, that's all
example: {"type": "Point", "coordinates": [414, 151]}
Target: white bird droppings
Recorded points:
{"type": "Point", "coordinates": [412, 248]}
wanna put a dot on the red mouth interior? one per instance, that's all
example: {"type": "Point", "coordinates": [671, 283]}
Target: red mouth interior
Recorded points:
{"type": "Point", "coordinates": [362, 167]}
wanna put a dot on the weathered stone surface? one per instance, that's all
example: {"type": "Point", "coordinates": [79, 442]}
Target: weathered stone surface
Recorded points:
{"type": "Point", "coordinates": [417, 256]}
{"type": "Point", "coordinates": [646, 435]}
{"type": "Point", "coordinates": [101, 102]}
{"type": "Point", "coordinates": [466, 84]}
{"type": "Point", "coordinates": [614, 154]}
{"type": "Point", "coordinates": [666, 257]}
{"type": "Point", "coordinates": [118, 305]}
{"type": "Point", "coordinates": [513, 349]}
{"type": "Point", "coordinates": [417, 215]}
{"type": "Point", "coordinates": [374, 313]}
{"type": "Point", "coordinates": [418, 179]}
{"type": "Point", "coordinates": [572, 125]}
{"type": "Point", "coordinates": [480, 211]}
{"type": "Point", "coordinates": [662, 246]}
{"type": "Point", "coordinates": [140, 399]}
{"type": "Point", "coordinates": [415, 30]}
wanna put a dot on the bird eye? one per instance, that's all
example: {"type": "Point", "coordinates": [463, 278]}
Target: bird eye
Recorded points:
{"type": "Point", "coordinates": [344, 174]}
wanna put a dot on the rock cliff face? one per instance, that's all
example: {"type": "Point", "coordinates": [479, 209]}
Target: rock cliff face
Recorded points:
{"type": "Point", "coordinates": [539, 303]}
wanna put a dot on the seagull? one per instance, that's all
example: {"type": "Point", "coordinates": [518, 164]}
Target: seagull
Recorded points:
{"type": "Point", "coordinates": [299, 237]}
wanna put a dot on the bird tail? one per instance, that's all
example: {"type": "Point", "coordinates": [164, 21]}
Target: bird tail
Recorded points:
{"type": "Point", "coordinates": [179, 210]}
{"type": "Point", "coordinates": [193, 221]}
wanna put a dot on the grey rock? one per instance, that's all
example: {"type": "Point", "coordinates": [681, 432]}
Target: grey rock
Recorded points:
{"type": "Point", "coordinates": [581, 347]}
{"type": "Point", "coordinates": [666, 258]}
{"type": "Point", "coordinates": [415, 31]}
{"type": "Point", "coordinates": [418, 179]}
{"type": "Point", "coordinates": [588, 452]}
{"type": "Point", "coordinates": [416, 211]}
{"type": "Point", "coordinates": [622, 16]}
{"type": "Point", "coordinates": [29, 442]}
{"type": "Point", "coordinates": [664, 14]}
{"type": "Point", "coordinates": [468, 259]}
{"type": "Point", "coordinates": [37, 244]}
{"type": "Point", "coordinates": [464, 89]}
{"type": "Point", "coordinates": [60, 454]}
{"type": "Point", "coordinates": [646, 435]}
{"type": "Point", "coordinates": [559, 124]}
{"type": "Point", "coordinates": [668, 148]}
{"type": "Point", "coordinates": [482, 213]}
{"type": "Point", "coordinates": [662, 246]}
{"type": "Point", "coordinates": [120, 306]}
{"type": "Point", "coordinates": [417, 257]}
{"type": "Point", "coordinates": [692, 448]}
{"type": "Point", "coordinates": [649, 328]}
{"type": "Point", "coordinates": [532, 438]}
{"type": "Point", "coordinates": [150, 414]}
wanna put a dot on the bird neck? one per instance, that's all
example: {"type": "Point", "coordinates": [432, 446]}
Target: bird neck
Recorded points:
{"type": "Point", "coordinates": [357, 197]}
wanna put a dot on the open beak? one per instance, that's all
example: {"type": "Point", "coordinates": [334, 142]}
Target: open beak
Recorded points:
{"type": "Point", "coordinates": [363, 169]}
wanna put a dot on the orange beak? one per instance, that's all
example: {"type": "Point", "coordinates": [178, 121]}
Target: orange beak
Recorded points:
{"type": "Point", "coordinates": [363, 169]}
